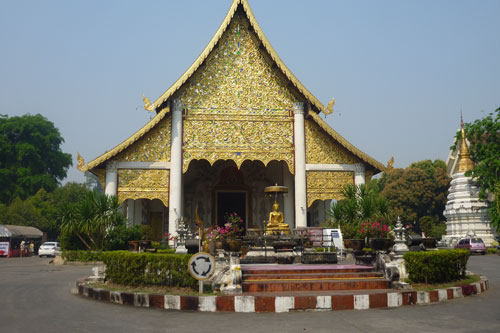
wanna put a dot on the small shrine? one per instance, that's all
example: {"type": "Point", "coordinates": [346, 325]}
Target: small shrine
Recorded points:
{"type": "Point", "coordinates": [466, 215]}
{"type": "Point", "coordinates": [236, 122]}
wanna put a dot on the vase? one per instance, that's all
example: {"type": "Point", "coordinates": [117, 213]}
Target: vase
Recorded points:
{"type": "Point", "coordinates": [381, 244]}
{"type": "Point", "coordinates": [219, 245]}
{"type": "Point", "coordinates": [234, 244]}
{"type": "Point", "coordinates": [355, 244]}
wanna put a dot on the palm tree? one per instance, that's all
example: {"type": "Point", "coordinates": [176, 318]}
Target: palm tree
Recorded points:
{"type": "Point", "coordinates": [92, 218]}
{"type": "Point", "coordinates": [360, 204]}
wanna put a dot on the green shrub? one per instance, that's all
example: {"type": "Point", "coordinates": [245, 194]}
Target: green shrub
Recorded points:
{"type": "Point", "coordinates": [82, 255]}
{"type": "Point", "coordinates": [436, 266]}
{"type": "Point", "coordinates": [135, 269]}
{"type": "Point", "coordinates": [491, 250]}
{"type": "Point", "coordinates": [118, 237]}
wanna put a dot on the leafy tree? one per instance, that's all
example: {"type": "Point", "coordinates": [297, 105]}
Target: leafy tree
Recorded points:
{"type": "Point", "coordinates": [43, 210]}
{"type": "Point", "coordinates": [418, 194]}
{"type": "Point", "coordinates": [30, 156]}
{"type": "Point", "coordinates": [484, 137]}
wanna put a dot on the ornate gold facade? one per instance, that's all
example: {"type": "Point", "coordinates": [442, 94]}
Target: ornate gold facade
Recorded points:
{"type": "Point", "coordinates": [237, 106]}
{"type": "Point", "coordinates": [154, 146]}
{"type": "Point", "coordinates": [324, 185]}
{"type": "Point", "coordinates": [143, 184]}
{"type": "Point", "coordinates": [322, 149]}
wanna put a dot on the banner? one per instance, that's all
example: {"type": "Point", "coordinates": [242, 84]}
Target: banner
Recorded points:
{"type": "Point", "coordinates": [4, 249]}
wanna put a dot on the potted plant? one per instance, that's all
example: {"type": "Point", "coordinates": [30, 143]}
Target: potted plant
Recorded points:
{"type": "Point", "coordinates": [352, 237]}
{"type": "Point", "coordinates": [233, 229]}
{"type": "Point", "coordinates": [377, 234]}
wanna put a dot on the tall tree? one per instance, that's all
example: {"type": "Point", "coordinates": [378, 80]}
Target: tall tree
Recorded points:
{"type": "Point", "coordinates": [484, 137]}
{"type": "Point", "coordinates": [30, 156]}
{"type": "Point", "coordinates": [418, 194]}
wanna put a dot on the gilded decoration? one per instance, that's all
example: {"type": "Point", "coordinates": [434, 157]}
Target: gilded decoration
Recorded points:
{"type": "Point", "coordinates": [143, 184]}
{"type": "Point", "coordinates": [152, 147]}
{"type": "Point", "coordinates": [237, 107]}
{"type": "Point", "coordinates": [322, 149]}
{"type": "Point", "coordinates": [325, 185]}
{"type": "Point", "coordinates": [240, 10]}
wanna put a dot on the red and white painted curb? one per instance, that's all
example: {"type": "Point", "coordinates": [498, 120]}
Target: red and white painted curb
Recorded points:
{"type": "Point", "coordinates": [242, 303]}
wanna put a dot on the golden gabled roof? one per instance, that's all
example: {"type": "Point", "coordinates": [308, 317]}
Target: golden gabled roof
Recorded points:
{"type": "Point", "coordinates": [337, 137]}
{"type": "Point", "coordinates": [125, 144]}
{"type": "Point", "coordinates": [215, 39]}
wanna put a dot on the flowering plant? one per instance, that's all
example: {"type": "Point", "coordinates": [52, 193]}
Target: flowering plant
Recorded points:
{"type": "Point", "coordinates": [170, 237]}
{"type": "Point", "coordinates": [232, 227]}
{"type": "Point", "coordinates": [374, 230]}
{"type": "Point", "coordinates": [234, 224]}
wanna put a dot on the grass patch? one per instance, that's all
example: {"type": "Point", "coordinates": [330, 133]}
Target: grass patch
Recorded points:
{"type": "Point", "coordinates": [154, 289]}
{"type": "Point", "coordinates": [431, 286]}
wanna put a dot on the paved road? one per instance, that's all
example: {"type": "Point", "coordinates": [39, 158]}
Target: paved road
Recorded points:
{"type": "Point", "coordinates": [35, 297]}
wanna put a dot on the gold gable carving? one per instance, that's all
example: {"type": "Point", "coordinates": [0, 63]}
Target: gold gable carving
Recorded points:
{"type": "Point", "coordinates": [239, 9]}
{"type": "Point", "coordinates": [322, 149]}
{"type": "Point", "coordinates": [143, 184]}
{"type": "Point", "coordinates": [152, 147]}
{"type": "Point", "coordinates": [324, 185]}
{"type": "Point", "coordinates": [237, 106]}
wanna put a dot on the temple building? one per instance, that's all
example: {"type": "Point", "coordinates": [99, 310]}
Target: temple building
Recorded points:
{"type": "Point", "coordinates": [235, 122]}
{"type": "Point", "coordinates": [466, 215]}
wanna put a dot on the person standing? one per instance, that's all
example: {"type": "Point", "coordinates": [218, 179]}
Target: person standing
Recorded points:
{"type": "Point", "coordinates": [22, 247]}
{"type": "Point", "coordinates": [32, 249]}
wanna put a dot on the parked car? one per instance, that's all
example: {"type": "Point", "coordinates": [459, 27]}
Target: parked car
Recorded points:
{"type": "Point", "coordinates": [474, 245]}
{"type": "Point", "coordinates": [49, 249]}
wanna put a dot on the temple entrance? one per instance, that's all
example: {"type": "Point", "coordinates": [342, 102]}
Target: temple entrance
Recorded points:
{"type": "Point", "coordinates": [231, 202]}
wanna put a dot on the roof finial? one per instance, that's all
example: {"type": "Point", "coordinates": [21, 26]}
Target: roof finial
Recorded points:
{"type": "Point", "coordinates": [329, 107]}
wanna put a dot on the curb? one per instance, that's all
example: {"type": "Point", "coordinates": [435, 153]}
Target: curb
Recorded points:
{"type": "Point", "coordinates": [241, 303]}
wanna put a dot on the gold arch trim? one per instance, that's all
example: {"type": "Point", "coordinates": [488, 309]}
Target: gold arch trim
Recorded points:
{"type": "Point", "coordinates": [326, 185]}
{"type": "Point", "coordinates": [238, 162]}
{"type": "Point", "coordinates": [143, 184]}
{"type": "Point", "coordinates": [213, 42]}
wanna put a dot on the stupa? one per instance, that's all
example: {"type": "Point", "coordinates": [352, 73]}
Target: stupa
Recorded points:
{"type": "Point", "coordinates": [466, 215]}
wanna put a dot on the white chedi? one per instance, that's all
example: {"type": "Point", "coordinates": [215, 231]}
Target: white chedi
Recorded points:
{"type": "Point", "coordinates": [466, 215]}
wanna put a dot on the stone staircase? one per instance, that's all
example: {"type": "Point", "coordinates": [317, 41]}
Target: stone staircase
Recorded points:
{"type": "Point", "coordinates": [311, 278]}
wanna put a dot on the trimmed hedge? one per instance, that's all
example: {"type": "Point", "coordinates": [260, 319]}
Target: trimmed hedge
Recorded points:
{"type": "Point", "coordinates": [165, 251]}
{"type": "Point", "coordinates": [77, 255]}
{"type": "Point", "coordinates": [136, 269]}
{"type": "Point", "coordinates": [436, 266]}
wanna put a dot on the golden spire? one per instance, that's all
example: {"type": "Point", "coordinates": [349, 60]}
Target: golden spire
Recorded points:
{"type": "Point", "coordinates": [464, 161]}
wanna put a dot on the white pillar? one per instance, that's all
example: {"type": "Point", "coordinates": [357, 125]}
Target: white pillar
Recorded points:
{"type": "Point", "coordinates": [359, 174]}
{"type": "Point", "coordinates": [111, 178]}
{"type": "Point", "coordinates": [175, 192]}
{"type": "Point", "coordinates": [300, 166]}
{"type": "Point", "coordinates": [289, 199]}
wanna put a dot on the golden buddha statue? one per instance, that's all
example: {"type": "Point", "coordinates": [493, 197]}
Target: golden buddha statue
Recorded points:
{"type": "Point", "coordinates": [276, 223]}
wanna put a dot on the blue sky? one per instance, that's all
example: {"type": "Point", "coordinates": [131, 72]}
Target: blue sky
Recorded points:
{"type": "Point", "coordinates": [400, 71]}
